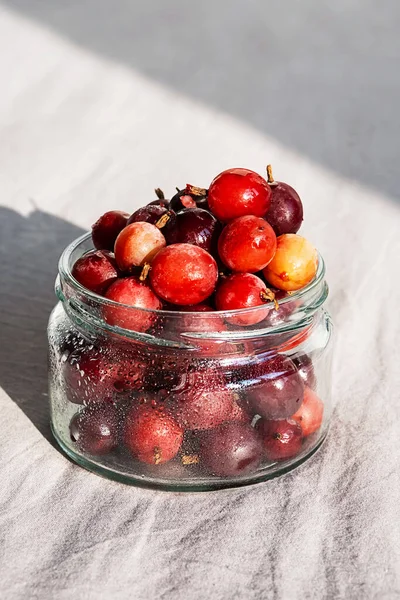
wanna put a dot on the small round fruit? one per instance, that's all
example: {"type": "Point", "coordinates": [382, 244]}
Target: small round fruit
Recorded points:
{"type": "Point", "coordinates": [242, 290]}
{"type": "Point", "coordinates": [294, 265]}
{"type": "Point", "coordinates": [247, 244]}
{"type": "Point", "coordinates": [205, 402]}
{"type": "Point", "coordinates": [151, 435]}
{"type": "Point", "coordinates": [310, 413]}
{"type": "Point", "coordinates": [138, 244]}
{"type": "Point", "coordinates": [272, 387]}
{"type": "Point", "coordinates": [232, 449]}
{"type": "Point", "coordinates": [107, 228]}
{"type": "Point", "coordinates": [183, 274]}
{"type": "Point", "coordinates": [96, 271]}
{"type": "Point", "coordinates": [195, 226]}
{"type": "Point", "coordinates": [238, 192]}
{"type": "Point", "coordinates": [95, 429]}
{"type": "Point", "coordinates": [134, 293]}
{"type": "Point", "coordinates": [281, 439]}
{"type": "Point", "coordinates": [285, 214]}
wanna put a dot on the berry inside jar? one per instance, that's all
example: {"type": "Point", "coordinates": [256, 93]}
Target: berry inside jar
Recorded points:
{"type": "Point", "coordinates": [204, 369]}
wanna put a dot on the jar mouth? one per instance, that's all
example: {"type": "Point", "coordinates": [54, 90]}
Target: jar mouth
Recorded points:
{"type": "Point", "coordinates": [300, 304]}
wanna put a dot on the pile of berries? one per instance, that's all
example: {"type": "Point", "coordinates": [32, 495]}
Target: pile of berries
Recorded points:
{"type": "Point", "coordinates": [230, 247]}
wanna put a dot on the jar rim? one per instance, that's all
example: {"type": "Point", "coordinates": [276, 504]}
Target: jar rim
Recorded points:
{"type": "Point", "coordinates": [65, 271]}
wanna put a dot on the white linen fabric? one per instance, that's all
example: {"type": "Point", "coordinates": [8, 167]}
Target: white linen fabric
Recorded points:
{"type": "Point", "coordinates": [101, 102]}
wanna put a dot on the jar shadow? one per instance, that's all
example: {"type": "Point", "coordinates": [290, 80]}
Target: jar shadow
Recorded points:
{"type": "Point", "coordinates": [29, 251]}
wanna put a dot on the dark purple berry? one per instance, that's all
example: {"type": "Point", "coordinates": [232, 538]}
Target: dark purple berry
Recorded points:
{"type": "Point", "coordinates": [95, 429]}
{"type": "Point", "coordinates": [194, 226]}
{"type": "Point", "coordinates": [285, 214]}
{"type": "Point", "coordinates": [231, 449]}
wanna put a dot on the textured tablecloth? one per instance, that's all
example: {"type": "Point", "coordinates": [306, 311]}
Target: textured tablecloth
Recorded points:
{"type": "Point", "coordinates": [102, 101]}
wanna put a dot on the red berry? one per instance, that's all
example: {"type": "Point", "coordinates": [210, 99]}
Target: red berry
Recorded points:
{"type": "Point", "coordinates": [95, 429]}
{"type": "Point", "coordinates": [138, 244]}
{"type": "Point", "coordinates": [183, 274]}
{"type": "Point", "coordinates": [242, 290]}
{"type": "Point", "coordinates": [238, 192]}
{"type": "Point", "coordinates": [232, 449]}
{"type": "Point", "coordinates": [134, 293]}
{"type": "Point", "coordinates": [310, 412]}
{"type": "Point", "coordinates": [195, 226]}
{"type": "Point", "coordinates": [282, 439]}
{"type": "Point", "coordinates": [205, 402]}
{"type": "Point", "coordinates": [247, 244]}
{"type": "Point", "coordinates": [294, 265]}
{"type": "Point", "coordinates": [272, 386]}
{"type": "Point", "coordinates": [151, 435]}
{"type": "Point", "coordinates": [107, 228]}
{"type": "Point", "coordinates": [96, 271]}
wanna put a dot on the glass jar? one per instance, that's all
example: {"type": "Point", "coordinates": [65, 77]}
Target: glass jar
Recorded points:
{"type": "Point", "coordinates": [190, 400]}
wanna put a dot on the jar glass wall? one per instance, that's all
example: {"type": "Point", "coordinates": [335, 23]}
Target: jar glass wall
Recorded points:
{"type": "Point", "coordinates": [188, 400]}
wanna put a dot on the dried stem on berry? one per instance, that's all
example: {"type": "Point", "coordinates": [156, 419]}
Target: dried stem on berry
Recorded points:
{"type": "Point", "coordinates": [196, 191]}
{"type": "Point", "coordinates": [190, 459]}
{"type": "Point", "coordinates": [145, 271]}
{"type": "Point", "coordinates": [160, 194]}
{"type": "Point", "coordinates": [269, 173]}
{"type": "Point", "coordinates": [268, 295]}
{"type": "Point", "coordinates": [162, 221]}
{"type": "Point", "coordinates": [157, 456]}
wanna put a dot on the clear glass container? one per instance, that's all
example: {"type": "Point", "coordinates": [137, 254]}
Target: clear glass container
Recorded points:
{"type": "Point", "coordinates": [199, 401]}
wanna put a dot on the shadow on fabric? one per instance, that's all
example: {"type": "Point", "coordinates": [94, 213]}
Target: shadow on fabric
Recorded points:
{"type": "Point", "coordinates": [29, 251]}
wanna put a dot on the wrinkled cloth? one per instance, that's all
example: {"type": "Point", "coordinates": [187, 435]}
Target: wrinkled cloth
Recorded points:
{"type": "Point", "coordinates": [102, 102]}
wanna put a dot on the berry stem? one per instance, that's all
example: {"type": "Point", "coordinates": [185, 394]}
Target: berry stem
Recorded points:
{"type": "Point", "coordinates": [157, 456]}
{"type": "Point", "coordinates": [196, 191]}
{"type": "Point", "coordinates": [190, 459]}
{"type": "Point", "coordinates": [159, 194]}
{"type": "Point", "coordinates": [162, 221]}
{"type": "Point", "coordinates": [268, 295]}
{"type": "Point", "coordinates": [269, 173]}
{"type": "Point", "coordinates": [145, 271]}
